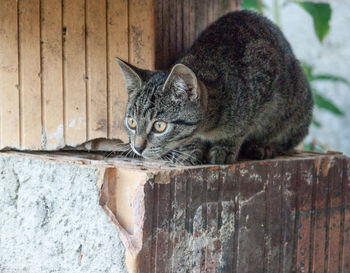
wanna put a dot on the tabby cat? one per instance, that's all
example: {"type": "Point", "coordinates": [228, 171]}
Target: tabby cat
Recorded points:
{"type": "Point", "coordinates": [239, 92]}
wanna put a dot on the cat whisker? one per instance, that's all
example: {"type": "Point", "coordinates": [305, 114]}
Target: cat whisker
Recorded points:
{"type": "Point", "coordinates": [192, 159]}
{"type": "Point", "coordinates": [184, 157]}
{"type": "Point", "coordinates": [109, 154]}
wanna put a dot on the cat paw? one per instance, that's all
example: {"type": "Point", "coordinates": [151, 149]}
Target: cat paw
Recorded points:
{"type": "Point", "coordinates": [217, 155]}
{"type": "Point", "coordinates": [258, 152]}
{"type": "Point", "coordinates": [231, 158]}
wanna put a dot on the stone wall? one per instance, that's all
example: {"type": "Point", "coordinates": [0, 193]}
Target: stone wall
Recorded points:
{"type": "Point", "coordinates": [51, 220]}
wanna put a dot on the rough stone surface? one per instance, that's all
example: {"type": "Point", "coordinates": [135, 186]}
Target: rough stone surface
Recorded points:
{"type": "Point", "coordinates": [51, 221]}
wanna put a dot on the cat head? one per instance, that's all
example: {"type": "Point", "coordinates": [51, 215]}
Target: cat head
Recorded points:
{"type": "Point", "coordinates": [163, 111]}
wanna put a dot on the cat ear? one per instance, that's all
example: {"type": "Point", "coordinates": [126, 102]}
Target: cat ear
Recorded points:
{"type": "Point", "coordinates": [182, 82]}
{"type": "Point", "coordinates": [134, 77]}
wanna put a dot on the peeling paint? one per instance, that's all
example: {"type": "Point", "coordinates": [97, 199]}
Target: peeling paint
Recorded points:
{"type": "Point", "coordinates": [255, 176]}
{"type": "Point", "coordinates": [287, 176]}
{"type": "Point", "coordinates": [80, 124]}
{"type": "Point", "coordinates": [43, 138]}
{"type": "Point", "coordinates": [243, 172]}
{"type": "Point", "coordinates": [250, 199]}
{"type": "Point", "coordinates": [327, 164]}
{"type": "Point", "coordinates": [58, 134]}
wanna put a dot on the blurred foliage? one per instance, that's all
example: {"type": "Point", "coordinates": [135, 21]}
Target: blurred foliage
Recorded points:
{"type": "Point", "coordinates": [314, 147]}
{"type": "Point", "coordinates": [257, 5]}
{"type": "Point", "coordinates": [321, 101]}
{"type": "Point", "coordinates": [321, 14]}
{"type": "Point", "coordinates": [252, 4]}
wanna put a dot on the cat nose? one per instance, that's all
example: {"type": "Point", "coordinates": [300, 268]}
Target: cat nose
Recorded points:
{"type": "Point", "coordinates": [139, 144]}
{"type": "Point", "coordinates": [139, 149]}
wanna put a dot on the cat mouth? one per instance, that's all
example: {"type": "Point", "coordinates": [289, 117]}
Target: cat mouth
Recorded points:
{"type": "Point", "coordinates": [157, 156]}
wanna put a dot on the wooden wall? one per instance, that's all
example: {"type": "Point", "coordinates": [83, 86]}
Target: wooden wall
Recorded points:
{"type": "Point", "coordinates": [59, 82]}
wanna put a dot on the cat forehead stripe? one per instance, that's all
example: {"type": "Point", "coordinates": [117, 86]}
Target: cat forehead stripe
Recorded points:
{"type": "Point", "coordinates": [186, 123]}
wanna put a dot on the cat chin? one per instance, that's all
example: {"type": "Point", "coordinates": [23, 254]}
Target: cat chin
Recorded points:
{"type": "Point", "coordinates": [154, 156]}
{"type": "Point", "coordinates": [150, 157]}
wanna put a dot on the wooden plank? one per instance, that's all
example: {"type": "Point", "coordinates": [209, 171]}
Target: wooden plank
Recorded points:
{"type": "Point", "coordinates": [214, 11]}
{"type": "Point", "coordinates": [197, 203]}
{"type": "Point", "coordinates": [289, 234]}
{"type": "Point", "coordinates": [52, 78]}
{"type": "Point", "coordinates": [179, 28]}
{"type": "Point", "coordinates": [192, 23]}
{"type": "Point", "coordinates": [9, 82]}
{"type": "Point", "coordinates": [158, 9]}
{"type": "Point", "coordinates": [225, 6]}
{"type": "Point", "coordinates": [166, 34]}
{"type": "Point", "coordinates": [273, 218]}
{"type": "Point", "coordinates": [146, 216]}
{"type": "Point", "coordinates": [320, 222]}
{"type": "Point", "coordinates": [186, 24]}
{"type": "Point", "coordinates": [141, 33]}
{"type": "Point", "coordinates": [252, 220]}
{"type": "Point", "coordinates": [227, 197]}
{"type": "Point", "coordinates": [162, 232]}
{"type": "Point", "coordinates": [200, 16]}
{"type": "Point", "coordinates": [154, 208]}
{"type": "Point", "coordinates": [178, 221]}
{"type": "Point", "coordinates": [213, 218]}
{"type": "Point", "coordinates": [335, 204]}
{"type": "Point", "coordinates": [346, 217]}
{"type": "Point", "coordinates": [172, 32]}
{"type": "Point", "coordinates": [30, 73]}
{"type": "Point", "coordinates": [226, 218]}
{"type": "Point", "coordinates": [117, 33]}
{"type": "Point", "coordinates": [96, 68]}
{"type": "Point", "coordinates": [74, 71]}
{"type": "Point", "coordinates": [304, 215]}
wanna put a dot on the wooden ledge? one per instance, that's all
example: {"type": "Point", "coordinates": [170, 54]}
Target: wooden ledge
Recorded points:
{"type": "Point", "coordinates": [289, 214]}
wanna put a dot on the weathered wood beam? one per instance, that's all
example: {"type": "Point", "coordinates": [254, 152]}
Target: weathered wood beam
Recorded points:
{"type": "Point", "coordinates": [289, 214]}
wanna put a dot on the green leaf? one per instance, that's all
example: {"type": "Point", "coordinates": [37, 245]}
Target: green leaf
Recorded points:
{"type": "Point", "coordinates": [307, 147]}
{"type": "Point", "coordinates": [328, 77]}
{"type": "Point", "coordinates": [253, 4]}
{"type": "Point", "coordinates": [312, 147]}
{"type": "Point", "coordinates": [316, 123]}
{"type": "Point", "coordinates": [307, 69]}
{"type": "Point", "coordinates": [324, 103]}
{"type": "Point", "coordinates": [321, 15]}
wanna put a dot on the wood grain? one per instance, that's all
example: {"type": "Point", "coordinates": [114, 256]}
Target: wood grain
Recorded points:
{"type": "Point", "coordinates": [304, 215]}
{"type": "Point", "coordinates": [30, 73]}
{"type": "Point", "coordinates": [320, 221]}
{"type": "Point", "coordinates": [346, 217]}
{"type": "Point", "coordinates": [52, 78]}
{"type": "Point", "coordinates": [142, 33]}
{"type": "Point", "coordinates": [117, 33]}
{"type": "Point", "coordinates": [252, 213]}
{"type": "Point", "coordinates": [9, 81]}
{"type": "Point", "coordinates": [226, 218]}
{"type": "Point", "coordinates": [96, 68]}
{"type": "Point", "coordinates": [74, 71]}
{"type": "Point", "coordinates": [335, 208]}
{"type": "Point", "coordinates": [274, 200]}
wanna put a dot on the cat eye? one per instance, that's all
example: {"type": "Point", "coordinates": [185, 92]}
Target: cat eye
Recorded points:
{"type": "Point", "coordinates": [159, 126]}
{"type": "Point", "coordinates": [131, 123]}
